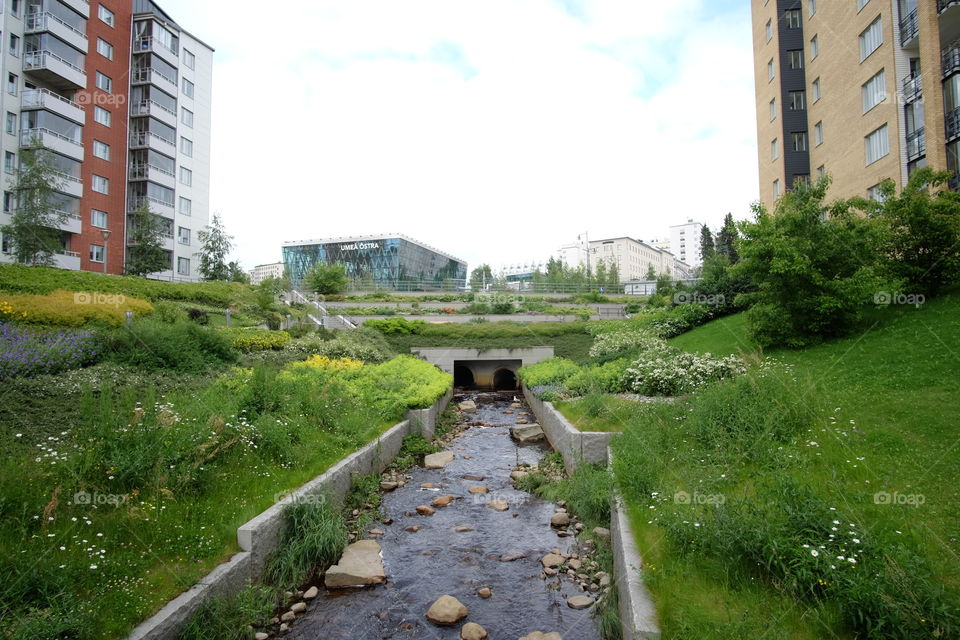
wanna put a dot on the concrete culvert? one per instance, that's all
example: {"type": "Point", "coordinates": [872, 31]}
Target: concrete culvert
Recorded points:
{"type": "Point", "coordinates": [504, 380]}
{"type": "Point", "coordinates": [463, 376]}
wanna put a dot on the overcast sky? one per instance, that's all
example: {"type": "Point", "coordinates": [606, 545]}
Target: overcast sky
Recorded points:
{"type": "Point", "coordinates": [496, 130]}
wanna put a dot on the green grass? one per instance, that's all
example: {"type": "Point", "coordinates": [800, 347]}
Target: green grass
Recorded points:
{"type": "Point", "coordinates": [883, 406]}
{"type": "Point", "coordinates": [598, 412]}
{"type": "Point", "coordinates": [574, 345]}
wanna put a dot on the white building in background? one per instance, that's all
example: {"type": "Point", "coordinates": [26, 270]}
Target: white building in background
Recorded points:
{"type": "Point", "coordinates": [634, 258]}
{"type": "Point", "coordinates": [262, 272]}
{"type": "Point", "coordinates": [573, 255]}
{"type": "Point", "coordinates": [685, 242]}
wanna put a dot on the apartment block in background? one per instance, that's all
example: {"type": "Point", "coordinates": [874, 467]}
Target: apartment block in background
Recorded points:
{"type": "Point", "coordinates": [862, 90]}
{"type": "Point", "coordinates": [120, 96]}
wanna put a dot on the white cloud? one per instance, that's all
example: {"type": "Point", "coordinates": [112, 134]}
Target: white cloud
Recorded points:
{"type": "Point", "coordinates": [495, 130]}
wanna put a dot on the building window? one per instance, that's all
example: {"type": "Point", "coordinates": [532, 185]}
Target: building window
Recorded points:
{"type": "Point", "coordinates": [816, 89]}
{"type": "Point", "coordinates": [104, 82]}
{"type": "Point", "coordinates": [183, 235]}
{"type": "Point", "coordinates": [801, 178]}
{"type": "Point", "coordinates": [98, 218]}
{"type": "Point", "coordinates": [8, 202]}
{"type": "Point", "coordinates": [101, 184]}
{"type": "Point", "coordinates": [187, 88]}
{"type": "Point", "coordinates": [793, 18]}
{"type": "Point", "coordinates": [798, 100]}
{"type": "Point", "coordinates": [818, 134]}
{"type": "Point", "coordinates": [12, 83]}
{"type": "Point", "coordinates": [769, 30]}
{"type": "Point", "coordinates": [96, 253]}
{"type": "Point", "coordinates": [776, 189]}
{"type": "Point", "coordinates": [183, 266]}
{"type": "Point", "coordinates": [871, 38]}
{"type": "Point", "coordinates": [771, 73]}
{"type": "Point", "coordinates": [773, 109]}
{"type": "Point", "coordinates": [795, 59]}
{"type": "Point", "coordinates": [877, 145]}
{"type": "Point", "coordinates": [102, 116]}
{"type": "Point", "coordinates": [186, 176]}
{"type": "Point", "coordinates": [186, 206]}
{"type": "Point", "coordinates": [874, 91]}
{"type": "Point", "coordinates": [814, 47]}
{"type": "Point", "coordinates": [15, 7]}
{"type": "Point", "coordinates": [11, 123]}
{"type": "Point", "coordinates": [5, 245]}
{"type": "Point", "coordinates": [104, 48]}
{"type": "Point", "coordinates": [14, 45]}
{"type": "Point", "coordinates": [186, 116]}
{"type": "Point", "coordinates": [813, 7]}
{"type": "Point", "coordinates": [774, 149]}
{"type": "Point", "coordinates": [101, 150]}
{"type": "Point", "coordinates": [186, 147]}
{"type": "Point", "coordinates": [821, 172]}
{"type": "Point", "coordinates": [10, 162]}
{"type": "Point", "coordinates": [799, 139]}
{"type": "Point", "coordinates": [861, 4]}
{"type": "Point", "coordinates": [189, 60]}
{"type": "Point", "coordinates": [106, 15]}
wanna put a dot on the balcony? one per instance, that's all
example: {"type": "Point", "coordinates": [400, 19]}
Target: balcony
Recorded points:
{"type": "Point", "coordinates": [155, 109]}
{"type": "Point", "coordinates": [916, 145]}
{"type": "Point", "coordinates": [909, 28]}
{"type": "Point", "coordinates": [54, 70]}
{"type": "Point", "coordinates": [33, 138]}
{"type": "Point", "coordinates": [71, 222]}
{"type": "Point", "coordinates": [158, 207]}
{"type": "Point", "coordinates": [80, 6]}
{"type": "Point", "coordinates": [147, 140]}
{"type": "Point", "coordinates": [953, 124]}
{"type": "Point", "coordinates": [912, 88]}
{"type": "Point", "coordinates": [67, 260]}
{"type": "Point", "coordinates": [47, 22]}
{"type": "Point", "coordinates": [943, 5]}
{"type": "Point", "coordinates": [154, 77]}
{"type": "Point", "coordinates": [46, 99]}
{"type": "Point", "coordinates": [153, 173]}
{"type": "Point", "coordinates": [69, 185]}
{"type": "Point", "coordinates": [149, 44]}
{"type": "Point", "coordinates": [954, 182]}
{"type": "Point", "coordinates": [950, 61]}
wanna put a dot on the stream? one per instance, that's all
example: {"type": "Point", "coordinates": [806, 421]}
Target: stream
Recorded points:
{"type": "Point", "coordinates": [502, 551]}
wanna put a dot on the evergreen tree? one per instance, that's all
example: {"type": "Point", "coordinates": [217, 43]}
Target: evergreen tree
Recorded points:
{"type": "Point", "coordinates": [613, 276]}
{"type": "Point", "coordinates": [237, 274]}
{"type": "Point", "coordinates": [651, 272]}
{"type": "Point", "coordinates": [215, 245]}
{"type": "Point", "coordinates": [727, 238]}
{"type": "Point", "coordinates": [707, 249]}
{"type": "Point", "coordinates": [33, 230]}
{"type": "Point", "coordinates": [146, 253]}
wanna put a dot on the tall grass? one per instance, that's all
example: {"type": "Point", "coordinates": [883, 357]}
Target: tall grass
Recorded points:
{"type": "Point", "coordinates": [313, 538]}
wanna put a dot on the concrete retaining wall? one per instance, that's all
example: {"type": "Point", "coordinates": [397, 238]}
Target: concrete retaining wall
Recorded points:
{"type": "Point", "coordinates": [574, 445]}
{"type": "Point", "coordinates": [638, 617]}
{"type": "Point", "coordinates": [258, 537]}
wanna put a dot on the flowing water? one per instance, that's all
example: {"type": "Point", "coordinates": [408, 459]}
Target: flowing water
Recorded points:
{"type": "Point", "coordinates": [438, 561]}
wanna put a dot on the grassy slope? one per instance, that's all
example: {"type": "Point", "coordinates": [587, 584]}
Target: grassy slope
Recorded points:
{"type": "Point", "coordinates": [895, 386]}
{"type": "Point", "coordinates": [576, 346]}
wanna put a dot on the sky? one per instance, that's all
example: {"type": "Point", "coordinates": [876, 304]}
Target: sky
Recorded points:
{"type": "Point", "coordinates": [494, 130]}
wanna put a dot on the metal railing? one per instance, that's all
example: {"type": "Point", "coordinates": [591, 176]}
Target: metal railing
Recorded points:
{"type": "Point", "coordinates": [38, 22]}
{"type": "Point", "coordinates": [909, 27]}
{"type": "Point", "coordinates": [912, 87]}
{"type": "Point", "coordinates": [145, 43]}
{"type": "Point", "coordinates": [145, 107]}
{"type": "Point", "coordinates": [141, 171]}
{"type": "Point", "coordinates": [69, 254]}
{"type": "Point", "coordinates": [952, 122]}
{"type": "Point", "coordinates": [32, 137]}
{"type": "Point", "coordinates": [950, 61]}
{"type": "Point", "coordinates": [146, 75]}
{"type": "Point", "coordinates": [142, 139]}
{"type": "Point", "coordinates": [38, 60]}
{"type": "Point", "coordinates": [954, 182]}
{"type": "Point", "coordinates": [135, 202]}
{"type": "Point", "coordinates": [37, 98]}
{"type": "Point", "coordinates": [916, 145]}
{"type": "Point", "coordinates": [943, 5]}
{"type": "Point", "coordinates": [68, 177]}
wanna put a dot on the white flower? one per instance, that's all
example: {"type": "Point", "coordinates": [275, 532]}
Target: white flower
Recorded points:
{"type": "Point", "coordinates": [814, 553]}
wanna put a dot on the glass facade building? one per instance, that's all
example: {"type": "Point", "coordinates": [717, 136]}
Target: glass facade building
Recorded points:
{"type": "Point", "coordinates": [378, 262]}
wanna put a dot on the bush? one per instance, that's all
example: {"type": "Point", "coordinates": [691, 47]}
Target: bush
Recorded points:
{"type": "Point", "coordinates": [257, 339]}
{"type": "Point", "coordinates": [313, 538]}
{"type": "Point", "coordinates": [670, 372]}
{"type": "Point", "coordinates": [609, 377]}
{"type": "Point", "coordinates": [184, 346]}
{"type": "Point", "coordinates": [548, 372]}
{"type": "Point", "coordinates": [360, 344]}
{"type": "Point", "coordinates": [169, 312]}
{"type": "Point", "coordinates": [396, 326]}
{"type": "Point", "coordinates": [67, 309]}
{"type": "Point", "coordinates": [25, 353]}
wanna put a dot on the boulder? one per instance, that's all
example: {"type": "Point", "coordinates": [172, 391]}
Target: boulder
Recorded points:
{"type": "Point", "coordinates": [463, 529]}
{"type": "Point", "coordinates": [311, 593]}
{"type": "Point", "coordinates": [473, 631]}
{"type": "Point", "coordinates": [425, 510]}
{"type": "Point", "coordinates": [388, 486]}
{"type": "Point", "coordinates": [360, 565]}
{"type": "Point", "coordinates": [475, 478]}
{"type": "Point", "coordinates": [485, 592]}
{"type": "Point", "coordinates": [516, 475]}
{"type": "Point", "coordinates": [299, 607]}
{"type": "Point", "coordinates": [446, 611]}
{"type": "Point", "coordinates": [527, 433]}
{"type": "Point", "coordinates": [442, 501]}
{"type": "Point", "coordinates": [413, 528]}
{"type": "Point", "coordinates": [438, 460]}
{"type": "Point", "coordinates": [559, 519]}
{"type": "Point", "coordinates": [498, 505]}
{"type": "Point", "coordinates": [580, 602]}
{"type": "Point", "coordinates": [552, 560]}
{"type": "Point", "coordinates": [601, 532]}
{"type": "Point", "coordinates": [468, 406]}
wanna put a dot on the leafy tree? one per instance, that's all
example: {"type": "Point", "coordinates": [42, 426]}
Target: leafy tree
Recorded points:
{"type": "Point", "coordinates": [814, 273]}
{"type": "Point", "coordinates": [215, 246]}
{"type": "Point", "coordinates": [707, 249]}
{"type": "Point", "coordinates": [727, 239]}
{"type": "Point", "coordinates": [613, 276]}
{"type": "Point", "coordinates": [482, 275]}
{"type": "Point", "coordinates": [33, 230]}
{"type": "Point", "coordinates": [651, 272]}
{"type": "Point", "coordinates": [327, 279]}
{"type": "Point", "coordinates": [146, 253]}
{"type": "Point", "coordinates": [600, 273]}
{"type": "Point", "coordinates": [921, 231]}
{"type": "Point", "coordinates": [236, 273]}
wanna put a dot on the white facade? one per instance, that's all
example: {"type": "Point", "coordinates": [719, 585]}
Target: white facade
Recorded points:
{"type": "Point", "coordinates": [685, 242]}
{"type": "Point", "coordinates": [262, 272]}
{"type": "Point", "coordinates": [634, 258]}
{"type": "Point", "coordinates": [573, 255]}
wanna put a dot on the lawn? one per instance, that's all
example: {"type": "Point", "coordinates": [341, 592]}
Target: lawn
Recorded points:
{"type": "Point", "coordinates": [874, 444]}
{"type": "Point", "coordinates": [598, 412]}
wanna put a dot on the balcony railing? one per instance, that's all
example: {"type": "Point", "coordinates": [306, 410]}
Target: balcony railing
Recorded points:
{"type": "Point", "coordinates": [909, 27]}
{"type": "Point", "coordinates": [952, 124]}
{"type": "Point", "coordinates": [66, 177]}
{"type": "Point", "coordinates": [916, 145]}
{"type": "Point", "coordinates": [144, 107]}
{"type": "Point", "coordinates": [40, 22]}
{"type": "Point", "coordinates": [144, 75]}
{"type": "Point", "coordinates": [135, 202]}
{"type": "Point", "coordinates": [142, 139]}
{"type": "Point", "coordinates": [139, 171]}
{"type": "Point", "coordinates": [943, 5]}
{"type": "Point", "coordinates": [912, 87]}
{"type": "Point", "coordinates": [146, 43]}
{"type": "Point", "coordinates": [34, 137]}
{"type": "Point", "coordinates": [950, 61]}
{"type": "Point", "coordinates": [38, 60]}
{"type": "Point", "coordinates": [36, 98]}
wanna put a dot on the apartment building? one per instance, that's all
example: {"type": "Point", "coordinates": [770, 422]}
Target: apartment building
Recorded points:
{"type": "Point", "coordinates": [634, 258]}
{"type": "Point", "coordinates": [120, 96]}
{"type": "Point", "coordinates": [685, 241]}
{"type": "Point", "coordinates": [263, 272]}
{"type": "Point", "coordinates": [862, 90]}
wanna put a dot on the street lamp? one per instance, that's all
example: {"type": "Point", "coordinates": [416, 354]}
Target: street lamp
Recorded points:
{"type": "Point", "coordinates": [106, 236]}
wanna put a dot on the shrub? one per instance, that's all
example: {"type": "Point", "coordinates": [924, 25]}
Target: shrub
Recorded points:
{"type": "Point", "coordinates": [396, 326]}
{"type": "Point", "coordinates": [609, 377]}
{"type": "Point", "coordinates": [314, 536]}
{"type": "Point", "coordinates": [8, 313]}
{"type": "Point", "coordinates": [67, 309]}
{"type": "Point", "coordinates": [183, 346]}
{"type": "Point", "coordinates": [25, 352]}
{"type": "Point", "coordinates": [257, 339]}
{"type": "Point", "coordinates": [672, 372]}
{"type": "Point", "coordinates": [168, 312]}
{"type": "Point", "coordinates": [199, 316]}
{"type": "Point", "coordinates": [359, 344]}
{"type": "Point", "coordinates": [550, 371]}
{"type": "Point", "coordinates": [622, 339]}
